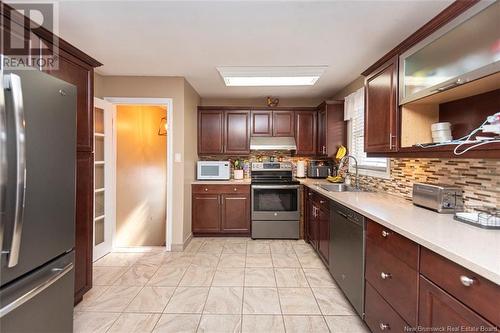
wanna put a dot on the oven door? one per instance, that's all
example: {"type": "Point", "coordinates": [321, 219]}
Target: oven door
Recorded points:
{"type": "Point", "coordinates": [275, 202]}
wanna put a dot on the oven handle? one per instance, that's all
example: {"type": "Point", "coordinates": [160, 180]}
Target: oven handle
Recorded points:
{"type": "Point", "coordinates": [274, 186]}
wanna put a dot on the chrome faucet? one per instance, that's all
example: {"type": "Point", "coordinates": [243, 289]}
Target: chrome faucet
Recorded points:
{"type": "Point", "coordinates": [341, 164]}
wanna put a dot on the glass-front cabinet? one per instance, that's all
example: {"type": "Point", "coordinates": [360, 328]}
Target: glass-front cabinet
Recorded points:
{"type": "Point", "coordinates": [464, 50]}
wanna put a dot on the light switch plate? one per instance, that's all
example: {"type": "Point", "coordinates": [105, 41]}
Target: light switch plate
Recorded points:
{"type": "Point", "coordinates": [178, 157]}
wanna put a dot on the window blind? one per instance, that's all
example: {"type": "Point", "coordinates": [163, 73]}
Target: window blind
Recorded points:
{"type": "Point", "coordinates": [358, 145]}
{"type": "Point", "coordinates": [355, 113]}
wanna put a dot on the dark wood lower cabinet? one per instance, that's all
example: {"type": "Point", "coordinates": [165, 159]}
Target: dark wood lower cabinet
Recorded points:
{"type": "Point", "coordinates": [206, 213]}
{"type": "Point", "coordinates": [235, 213]}
{"type": "Point", "coordinates": [317, 223]}
{"type": "Point", "coordinates": [323, 222]}
{"type": "Point", "coordinates": [379, 315]}
{"type": "Point", "coordinates": [439, 309]}
{"type": "Point", "coordinates": [221, 209]}
{"type": "Point", "coordinates": [409, 284]}
{"type": "Point", "coordinates": [393, 279]}
{"type": "Point", "coordinates": [83, 225]}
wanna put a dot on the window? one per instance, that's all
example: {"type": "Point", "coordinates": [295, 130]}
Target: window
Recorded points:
{"type": "Point", "coordinates": [354, 113]}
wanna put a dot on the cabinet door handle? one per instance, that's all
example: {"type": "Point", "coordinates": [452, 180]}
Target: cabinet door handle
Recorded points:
{"type": "Point", "coordinates": [385, 234]}
{"type": "Point", "coordinates": [466, 281]}
{"type": "Point", "coordinates": [235, 189]}
{"type": "Point", "coordinates": [206, 189]}
{"type": "Point", "coordinates": [384, 327]}
{"type": "Point", "coordinates": [322, 201]}
{"type": "Point", "coordinates": [385, 276]}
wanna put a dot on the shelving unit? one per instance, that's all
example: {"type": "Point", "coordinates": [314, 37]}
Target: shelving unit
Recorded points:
{"type": "Point", "coordinates": [465, 107]}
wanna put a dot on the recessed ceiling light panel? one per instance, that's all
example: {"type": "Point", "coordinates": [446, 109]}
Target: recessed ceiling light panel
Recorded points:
{"type": "Point", "coordinates": [271, 76]}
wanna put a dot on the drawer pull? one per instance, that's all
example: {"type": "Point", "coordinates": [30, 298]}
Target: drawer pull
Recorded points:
{"type": "Point", "coordinates": [235, 189]}
{"type": "Point", "coordinates": [385, 276]}
{"type": "Point", "coordinates": [385, 233]}
{"type": "Point", "coordinates": [206, 189]}
{"type": "Point", "coordinates": [384, 327]}
{"type": "Point", "coordinates": [466, 281]}
{"type": "Point", "coordinates": [322, 201]}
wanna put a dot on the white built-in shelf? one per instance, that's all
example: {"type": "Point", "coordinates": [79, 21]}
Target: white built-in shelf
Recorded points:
{"type": "Point", "coordinates": [99, 134]}
{"type": "Point", "coordinates": [99, 162]}
{"type": "Point", "coordinates": [99, 190]}
{"type": "Point", "coordinates": [99, 217]}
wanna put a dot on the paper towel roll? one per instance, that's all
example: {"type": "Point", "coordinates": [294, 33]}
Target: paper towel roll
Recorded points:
{"type": "Point", "coordinates": [301, 169]}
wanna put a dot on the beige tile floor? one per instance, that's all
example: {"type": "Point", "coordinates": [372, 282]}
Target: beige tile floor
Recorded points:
{"type": "Point", "coordinates": [215, 285]}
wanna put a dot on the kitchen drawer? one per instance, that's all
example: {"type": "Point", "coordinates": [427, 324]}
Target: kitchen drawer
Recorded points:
{"type": "Point", "coordinates": [401, 247]}
{"type": "Point", "coordinates": [483, 296]}
{"type": "Point", "coordinates": [320, 201]}
{"type": "Point", "coordinates": [393, 279]}
{"type": "Point", "coordinates": [379, 316]}
{"type": "Point", "coordinates": [218, 189]}
{"type": "Point", "coordinates": [439, 309]}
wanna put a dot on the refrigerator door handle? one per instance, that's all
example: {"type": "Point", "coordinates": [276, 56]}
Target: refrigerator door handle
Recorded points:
{"type": "Point", "coordinates": [3, 158]}
{"type": "Point", "coordinates": [56, 274]}
{"type": "Point", "coordinates": [12, 82]}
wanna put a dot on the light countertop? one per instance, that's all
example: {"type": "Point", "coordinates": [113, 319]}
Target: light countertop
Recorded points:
{"type": "Point", "coordinates": [474, 248]}
{"type": "Point", "coordinates": [222, 182]}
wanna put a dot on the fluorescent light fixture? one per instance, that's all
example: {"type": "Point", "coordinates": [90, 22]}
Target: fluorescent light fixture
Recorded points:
{"type": "Point", "coordinates": [271, 76]}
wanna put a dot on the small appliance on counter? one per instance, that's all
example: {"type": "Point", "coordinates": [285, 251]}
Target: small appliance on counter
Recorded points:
{"type": "Point", "coordinates": [441, 198]}
{"type": "Point", "coordinates": [320, 169]}
{"type": "Point", "coordinates": [213, 170]}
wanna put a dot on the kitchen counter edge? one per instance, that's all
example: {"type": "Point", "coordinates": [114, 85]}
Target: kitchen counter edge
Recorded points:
{"type": "Point", "coordinates": [472, 247]}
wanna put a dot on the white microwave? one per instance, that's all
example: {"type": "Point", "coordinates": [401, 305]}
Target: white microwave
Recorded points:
{"type": "Point", "coordinates": [213, 170]}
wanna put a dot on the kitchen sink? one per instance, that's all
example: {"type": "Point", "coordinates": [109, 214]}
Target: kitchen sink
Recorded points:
{"type": "Point", "coordinates": [338, 187]}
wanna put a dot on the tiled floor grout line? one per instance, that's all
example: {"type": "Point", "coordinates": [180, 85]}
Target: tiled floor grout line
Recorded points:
{"type": "Point", "coordinates": [173, 293]}
{"type": "Point", "coordinates": [279, 252]}
{"type": "Point", "coordinates": [314, 295]}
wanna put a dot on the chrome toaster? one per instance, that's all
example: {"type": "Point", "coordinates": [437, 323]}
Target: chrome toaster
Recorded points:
{"type": "Point", "coordinates": [441, 198]}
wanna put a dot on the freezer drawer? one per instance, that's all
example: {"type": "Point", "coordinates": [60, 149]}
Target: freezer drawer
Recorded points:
{"type": "Point", "coordinates": [275, 229]}
{"type": "Point", "coordinates": [41, 301]}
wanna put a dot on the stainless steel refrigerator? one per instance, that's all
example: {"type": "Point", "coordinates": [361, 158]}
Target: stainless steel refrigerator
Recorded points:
{"type": "Point", "coordinates": [37, 201]}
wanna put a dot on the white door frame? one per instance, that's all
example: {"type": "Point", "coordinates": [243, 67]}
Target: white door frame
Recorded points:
{"type": "Point", "coordinates": [170, 154]}
{"type": "Point", "coordinates": [109, 181]}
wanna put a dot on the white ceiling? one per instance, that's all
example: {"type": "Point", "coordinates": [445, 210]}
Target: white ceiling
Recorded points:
{"type": "Point", "coordinates": [190, 39]}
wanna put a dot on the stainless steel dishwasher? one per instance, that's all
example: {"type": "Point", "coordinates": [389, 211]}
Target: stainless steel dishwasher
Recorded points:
{"type": "Point", "coordinates": [347, 253]}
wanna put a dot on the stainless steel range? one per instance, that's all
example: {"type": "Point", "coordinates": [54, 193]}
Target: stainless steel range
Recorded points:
{"type": "Point", "coordinates": [275, 201]}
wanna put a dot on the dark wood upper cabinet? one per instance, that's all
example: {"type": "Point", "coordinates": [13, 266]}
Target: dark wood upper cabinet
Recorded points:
{"type": "Point", "coordinates": [438, 309]}
{"type": "Point", "coordinates": [381, 110]}
{"type": "Point", "coordinates": [210, 132]}
{"type": "Point", "coordinates": [235, 213]}
{"type": "Point", "coordinates": [305, 132]}
{"type": "Point", "coordinates": [262, 123]}
{"type": "Point", "coordinates": [283, 123]}
{"type": "Point", "coordinates": [237, 135]}
{"type": "Point", "coordinates": [332, 129]}
{"type": "Point", "coordinates": [322, 150]}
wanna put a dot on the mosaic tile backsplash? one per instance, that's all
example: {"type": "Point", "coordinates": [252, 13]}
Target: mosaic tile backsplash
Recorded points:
{"type": "Point", "coordinates": [480, 179]}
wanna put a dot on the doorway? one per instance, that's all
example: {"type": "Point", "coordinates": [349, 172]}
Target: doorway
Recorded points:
{"type": "Point", "coordinates": [140, 167]}
{"type": "Point", "coordinates": [141, 175]}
